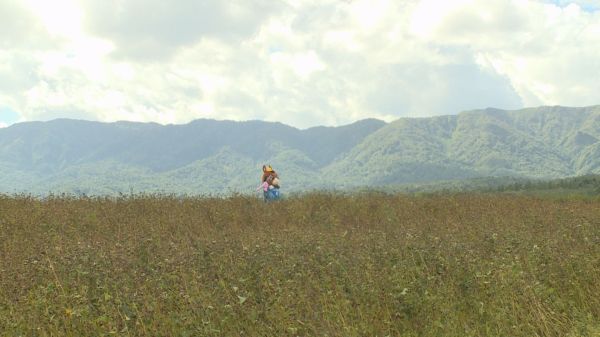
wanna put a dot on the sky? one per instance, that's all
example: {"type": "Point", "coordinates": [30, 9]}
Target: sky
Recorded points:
{"type": "Point", "coordinates": [299, 62]}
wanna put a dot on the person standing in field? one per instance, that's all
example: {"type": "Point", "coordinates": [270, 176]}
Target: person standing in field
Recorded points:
{"type": "Point", "coordinates": [270, 183]}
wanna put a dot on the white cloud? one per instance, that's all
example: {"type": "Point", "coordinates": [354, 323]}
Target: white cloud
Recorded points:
{"type": "Point", "coordinates": [59, 17]}
{"type": "Point", "coordinates": [303, 62]}
{"type": "Point", "coordinates": [303, 65]}
{"type": "Point", "coordinates": [3, 125]}
{"type": "Point", "coordinates": [547, 52]}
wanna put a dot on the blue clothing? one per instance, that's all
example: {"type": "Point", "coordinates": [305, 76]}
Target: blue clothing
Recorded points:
{"type": "Point", "coordinates": [272, 194]}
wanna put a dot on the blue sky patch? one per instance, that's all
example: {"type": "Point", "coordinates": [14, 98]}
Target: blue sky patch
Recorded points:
{"type": "Point", "coordinates": [586, 5]}
{"type": "Point", "coordinates": [8, 116]}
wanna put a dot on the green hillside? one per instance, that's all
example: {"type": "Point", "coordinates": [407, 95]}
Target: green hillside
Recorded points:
{"type": "Point", "coordinates": [209, 156]}
{"type": "Point", "coordinates": [545, 142]}
{"type": "Point", "coordinates": [204, 156]}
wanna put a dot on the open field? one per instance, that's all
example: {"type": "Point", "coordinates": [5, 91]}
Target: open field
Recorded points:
{"type": "Point", "coordinates": [317, 265]}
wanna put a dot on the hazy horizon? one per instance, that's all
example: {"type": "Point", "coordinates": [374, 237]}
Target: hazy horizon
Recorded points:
{"type": "Point", "coordinates": [299, 128]}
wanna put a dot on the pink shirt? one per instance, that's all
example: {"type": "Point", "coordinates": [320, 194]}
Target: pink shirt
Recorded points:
{"type": "Point", "coordinates": [264, 186]}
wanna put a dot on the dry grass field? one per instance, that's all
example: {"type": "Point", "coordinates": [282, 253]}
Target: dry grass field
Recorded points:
{"type": "Point", "coordinates": [316, 265]}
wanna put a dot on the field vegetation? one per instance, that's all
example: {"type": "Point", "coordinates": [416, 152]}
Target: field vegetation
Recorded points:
{"type": "Point", "coordinates": [366, 264]}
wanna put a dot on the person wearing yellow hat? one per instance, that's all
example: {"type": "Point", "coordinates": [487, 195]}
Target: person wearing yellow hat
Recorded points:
{"type": "Point", "coordinates": [271, 178]}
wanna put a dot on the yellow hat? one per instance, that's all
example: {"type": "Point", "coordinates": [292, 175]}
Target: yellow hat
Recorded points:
{"type": "Point", "coordinates": [269, 168]}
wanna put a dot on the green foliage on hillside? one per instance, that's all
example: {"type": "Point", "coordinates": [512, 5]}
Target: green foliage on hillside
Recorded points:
{"type": "Point", "coordinates": [207, 156]}
{"type": "Point", "coordinates": [546, 142]}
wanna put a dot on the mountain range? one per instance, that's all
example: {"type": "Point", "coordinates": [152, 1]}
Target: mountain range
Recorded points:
{"type": "Point", "coordinates": [216, 157]}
